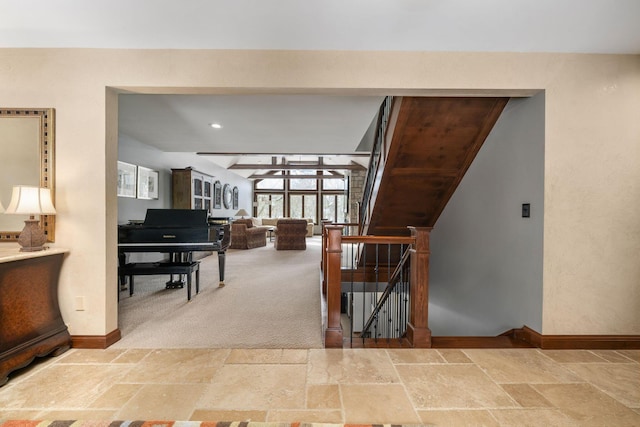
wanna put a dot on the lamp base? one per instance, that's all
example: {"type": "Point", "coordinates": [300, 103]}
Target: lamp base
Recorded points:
{"type": "Point", "coordinates": [32, 238]}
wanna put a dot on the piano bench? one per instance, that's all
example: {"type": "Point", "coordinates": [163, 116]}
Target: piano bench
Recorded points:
{"type": "Point", "coordinates": [158, 268]}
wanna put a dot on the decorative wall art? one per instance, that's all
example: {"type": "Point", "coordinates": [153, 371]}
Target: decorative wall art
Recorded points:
{"type": "Point", "coordinates": [147, 183]}
{"type": "Point", "coordinates": [126, 179]}
{"type": "Point", "coordinates": [235, 197]}
{"type": "Point", "coordinates": [217, 195]}
{"type": "Point", "coordinates": [227, 196]}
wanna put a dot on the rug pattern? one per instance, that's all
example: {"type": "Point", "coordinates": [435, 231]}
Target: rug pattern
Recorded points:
{"type": "Point", "coordinates": [159, 423]}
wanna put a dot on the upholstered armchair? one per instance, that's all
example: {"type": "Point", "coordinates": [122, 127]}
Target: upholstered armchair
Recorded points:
{"type": "Point", "coordinates": [291, 234]}
{"type": "Point", "coordinates": [272, 222]}
{"type": "Point", "coordinates": [245, 236]}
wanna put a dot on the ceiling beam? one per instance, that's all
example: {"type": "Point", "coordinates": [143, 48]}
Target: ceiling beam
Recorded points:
{"type": "Point", "coordinates": [352, 166]}
{"type": "Point", "coordinates": [336, 175]}
{"type": "Point", "coordinates": [211, 153]}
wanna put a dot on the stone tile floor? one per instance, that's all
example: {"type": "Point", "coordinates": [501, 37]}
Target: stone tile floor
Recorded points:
{"type": "Point", "coordinates": [496, 387]}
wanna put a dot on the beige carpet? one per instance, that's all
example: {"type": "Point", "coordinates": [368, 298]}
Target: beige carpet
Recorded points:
{"type": "Point", "coordinates": [272, 299]}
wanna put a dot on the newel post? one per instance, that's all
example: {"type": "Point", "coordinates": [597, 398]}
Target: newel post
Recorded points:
{"type": "Point", "coordinates": [333, 329]}
{"type": "Point", "coordinates": [418, 332]}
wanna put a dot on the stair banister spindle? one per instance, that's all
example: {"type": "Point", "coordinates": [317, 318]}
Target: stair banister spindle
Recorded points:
{"type": "Point", "coordinates": [392, 280]}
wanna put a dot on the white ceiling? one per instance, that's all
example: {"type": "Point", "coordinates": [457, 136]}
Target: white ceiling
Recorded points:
{"type": "Point", "coordinates": [587, 26]}
{"type": "Point", "coordinates": [300, 124]}
{"type": "Point", "coordinates": [250, 123]}
{"type": "Point", "coordinates": [269, 124]}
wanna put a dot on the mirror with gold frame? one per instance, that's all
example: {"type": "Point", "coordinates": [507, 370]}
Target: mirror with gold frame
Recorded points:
{"type": "Point", "coordinates": [27, 144]}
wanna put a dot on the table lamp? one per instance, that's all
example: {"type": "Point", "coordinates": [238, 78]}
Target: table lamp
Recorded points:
{"type": "Point", "coordinates": [28, 200]}
{"type": "Point", "coordinates": [242, 213]}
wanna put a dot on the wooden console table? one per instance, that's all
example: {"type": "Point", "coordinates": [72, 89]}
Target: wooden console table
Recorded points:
{"type": "Point", "coordinates": [30, 321]}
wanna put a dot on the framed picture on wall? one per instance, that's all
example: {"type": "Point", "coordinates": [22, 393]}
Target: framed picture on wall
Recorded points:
{"type": "Point", "coordinates": [147, 183]}
{"type": "Point", "coordinates": [217, 195]}
{"type": "Point", "coordinates": [126, 179]}
{"type": "Point", "coordinates": [235, 197]}
{"type": "Point", "coordinates": [227, 196]}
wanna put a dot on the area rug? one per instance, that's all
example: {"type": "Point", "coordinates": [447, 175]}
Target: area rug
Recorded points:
{"type": "Point", "coordinates": [85, 423]}
{"type": "Point", "coordinates": [272, 299]}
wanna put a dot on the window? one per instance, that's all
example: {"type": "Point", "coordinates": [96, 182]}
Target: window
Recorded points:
{"type": "Point", "coordinates": [318, 195]}
{"type": "Point", "coordinates": [303, 206]}
{"type": "Point", "coordinates": [333, 207]}
{"type": "Point", "coordinates": [270, 184]}
{"type": "Point", "coordinates": [303, 183]}
{"type": "Point", "coordinates": [270, 205]}
{"type": "Point", "coordinates": [333, 184]}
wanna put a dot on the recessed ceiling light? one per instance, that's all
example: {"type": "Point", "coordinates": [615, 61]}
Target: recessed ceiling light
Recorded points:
{"type": "Point", "coordinates": [215, 125]}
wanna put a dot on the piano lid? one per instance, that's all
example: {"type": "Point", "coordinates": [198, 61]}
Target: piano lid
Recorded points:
{"type": "Point", "coordinates": [164, 229]}
{"type": "Point", "coordinates": [176, 218]}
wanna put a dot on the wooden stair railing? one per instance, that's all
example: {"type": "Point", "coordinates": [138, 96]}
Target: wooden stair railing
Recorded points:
{"type": "Point", "coordinates": [376, 161]}
{"type": "Point", "coordinates": [417, 331]}
{"type": "Point", "coordinates": [391, 284]}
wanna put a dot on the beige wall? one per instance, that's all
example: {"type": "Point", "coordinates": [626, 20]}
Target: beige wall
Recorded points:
{"type": "Point", "coordinates": [592, 166]}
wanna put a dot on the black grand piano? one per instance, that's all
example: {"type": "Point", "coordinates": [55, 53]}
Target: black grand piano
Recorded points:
{"type": "Point", "coordinates": [178, 232]}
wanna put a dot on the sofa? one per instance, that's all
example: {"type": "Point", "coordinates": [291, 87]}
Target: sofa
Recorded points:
{"type": "Point", "coordinates": [272, 222]}
{"type": "Point", "coordinates": [291, 234]}
{"type": "Point", "coordinates": [245, 236]}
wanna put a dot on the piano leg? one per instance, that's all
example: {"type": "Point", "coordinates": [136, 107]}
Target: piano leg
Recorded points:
{"type": "Point", "coordinates": [122, 260]}
{"type": "Point", "coordinates": [198, 280]}
{"type": "Point", "coordinates": [189, 287]}
{"type": "Point", "coordinates": [221, 259]}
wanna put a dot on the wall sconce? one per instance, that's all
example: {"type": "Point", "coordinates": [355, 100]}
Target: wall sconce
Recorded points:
{"type": "Point", "coordinates": [27, 200]}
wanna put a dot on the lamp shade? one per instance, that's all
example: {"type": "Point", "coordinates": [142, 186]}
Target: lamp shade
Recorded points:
{"type": "Point", "coordinates": [1, 207]}
{"type": "Point", "coordinates": [30, 201]}
{"type": "Point", "coordinates": [242, 213]}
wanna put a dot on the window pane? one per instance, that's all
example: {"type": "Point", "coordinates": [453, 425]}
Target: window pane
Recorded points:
{"type": "Point", "coordinates": [303, 184]}
{"type": "Point", "coordinates": [310, 207]}
{"type": "Point", "coordinates": [277, 206]}
{"type": "Point", "coordinates": [329, 207]}
{"type": "Point", "coordinates": [197, 187]}
{"type": "Point", "coordinates": [295, 206]}
{"type": "Point", "coordinates": [270, 184]}
{"type": "Point", "coordinates": [263, 205]}
{"type": "Point", "coordinates": [333, 184]}
{"type": "Point", "coordinates": [341, 208]}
